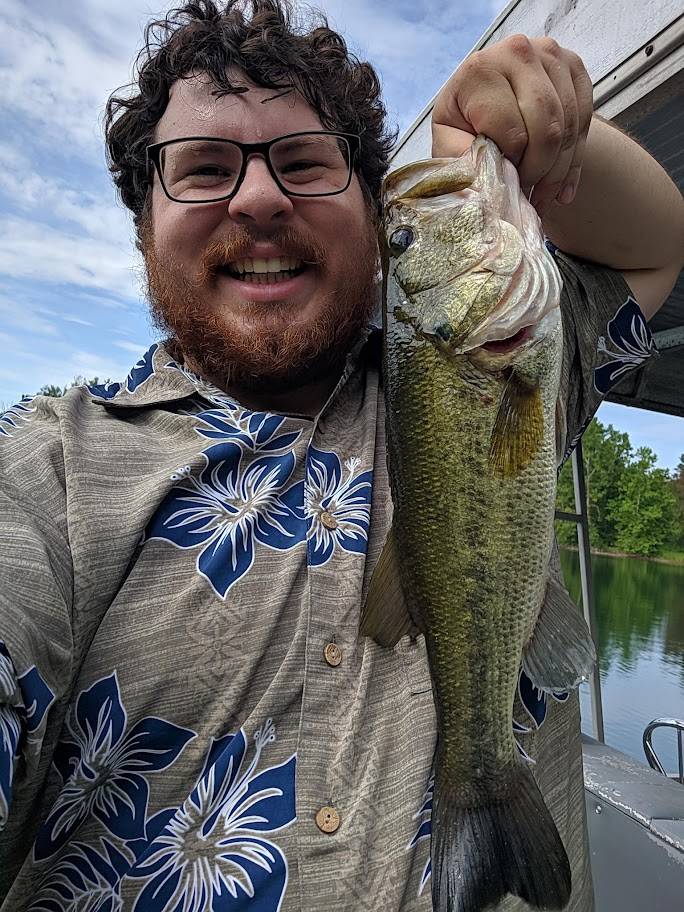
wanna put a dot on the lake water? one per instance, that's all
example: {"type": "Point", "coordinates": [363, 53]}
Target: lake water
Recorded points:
{"type": "Point", "coordinates": [640, 614]}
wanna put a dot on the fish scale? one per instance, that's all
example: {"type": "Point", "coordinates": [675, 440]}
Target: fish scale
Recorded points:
{"type": "Point", "coordinates": [471, 365]}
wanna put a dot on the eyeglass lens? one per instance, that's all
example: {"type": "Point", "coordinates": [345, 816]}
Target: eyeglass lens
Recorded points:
{"type": "Point", "coordinates": [204, 170]}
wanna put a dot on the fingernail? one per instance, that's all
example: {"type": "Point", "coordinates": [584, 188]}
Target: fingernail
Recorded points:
{"type": "Point", "coordinates": [567, 194]}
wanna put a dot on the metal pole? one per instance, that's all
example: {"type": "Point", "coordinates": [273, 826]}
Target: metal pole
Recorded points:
{"type": "Point", "coordinates": [587, 585]}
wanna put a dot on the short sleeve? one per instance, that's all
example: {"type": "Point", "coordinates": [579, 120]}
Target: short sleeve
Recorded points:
{"type": "Point", "coordinates": [605, 336]}
{"type": "Point", "coordinates": [35, 614]}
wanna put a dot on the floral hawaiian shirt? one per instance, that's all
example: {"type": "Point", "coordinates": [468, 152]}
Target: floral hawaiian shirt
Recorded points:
{"type": "Point", "coordinates": [189, 718]}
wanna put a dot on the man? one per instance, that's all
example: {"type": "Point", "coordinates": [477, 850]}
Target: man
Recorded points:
{"type": "Point", "coordinates": [190, 718]}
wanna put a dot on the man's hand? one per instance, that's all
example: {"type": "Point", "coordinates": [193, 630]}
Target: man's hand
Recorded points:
{"type": "Point", "coordinates": [534, 99]}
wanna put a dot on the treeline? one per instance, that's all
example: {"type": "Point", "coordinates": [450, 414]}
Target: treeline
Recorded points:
{"type": "Point", "coordinates": [51, 389]}
{"type": "Point", "coordinates": [633, 506]}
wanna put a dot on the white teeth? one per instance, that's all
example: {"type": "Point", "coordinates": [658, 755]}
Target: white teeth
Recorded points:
{"type": "Point", "coordinates": [262, 266]}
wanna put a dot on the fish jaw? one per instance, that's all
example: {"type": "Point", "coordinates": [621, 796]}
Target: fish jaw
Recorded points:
{"type": "Point", "coordinates": [477, 269]}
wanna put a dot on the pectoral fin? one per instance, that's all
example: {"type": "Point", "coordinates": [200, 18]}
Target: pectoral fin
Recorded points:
{"type": "Point", "coordinates": [518, 429]}
{"type": "Point", "coordinates": [385, 615]}
{"type": "Point", "coordinates": [560, 651]}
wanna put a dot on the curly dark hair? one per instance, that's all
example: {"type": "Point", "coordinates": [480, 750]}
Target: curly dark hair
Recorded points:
{"type": "Point", "coordinates": [263, 40]}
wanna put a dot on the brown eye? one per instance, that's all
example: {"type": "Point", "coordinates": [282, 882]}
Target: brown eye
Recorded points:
{"type": "Point", "coordinates": [400, 240]}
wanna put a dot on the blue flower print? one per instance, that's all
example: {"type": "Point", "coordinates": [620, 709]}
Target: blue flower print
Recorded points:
{"type": "Point", "coordinates": [103, 767]}
{"type": "Point", "coordinates": [213, 853]}
{"type": "Point", "coordinates": [38, 698]}
{"type": "Point", "coordinates": [10, 732]}
{"type": "Point", "coordinates": [85, 879]}
{"type": "Point", "coordinates": [337, 505]}
{"type": "Point", "coordinates": [534, 704]}
{"type": "Point", "coordinates": [424, 830]}
{"type": "Point", "coordinates": [16, 416]}
{"type": "Point", "coordinates": [141, 371]}
{"type": "Point", "coordinates": [256, 430]}
{"type": "Point", "coordinates": [234, 503]}
{"type": "Point", "coordinates": [105, 390]}
{"type": "Point", "coordinates": [24, 701]}
{"type": "Point", "coordinates": [630, 335]}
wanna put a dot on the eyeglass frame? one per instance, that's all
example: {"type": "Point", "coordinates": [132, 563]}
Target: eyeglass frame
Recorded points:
{"type": "Point", "coordinates": [153, 153]}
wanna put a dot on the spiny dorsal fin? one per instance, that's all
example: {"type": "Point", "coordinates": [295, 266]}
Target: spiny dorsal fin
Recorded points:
{"type": "Point", "coordinates": [560, 651]}
{"type": "Point", "coordinates": [385, 616]}
{"type": "Point", "coordinates": [518, 429]}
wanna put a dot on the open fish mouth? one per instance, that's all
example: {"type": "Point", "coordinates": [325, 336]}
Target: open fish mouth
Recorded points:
{"type": "Point", "coordinates": [504, 346]}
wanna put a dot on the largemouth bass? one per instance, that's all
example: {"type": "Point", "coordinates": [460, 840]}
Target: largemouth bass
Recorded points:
{"type": "Point", "coordinates": [472, 358]}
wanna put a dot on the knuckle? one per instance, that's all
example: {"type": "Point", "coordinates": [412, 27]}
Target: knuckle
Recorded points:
{"type": "Point", "coordinates": [554, 133]}
{"type": "Point", "coordinates": [569, 133]}
{"type": "Point", "coordinates": [520, 45]}
{"type": "Point", "coordinates": [516, 140]}
{"type": "Point", "coordinates": [550, 46]}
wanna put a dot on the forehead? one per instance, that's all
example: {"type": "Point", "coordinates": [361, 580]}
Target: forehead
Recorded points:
{"type": "Point", "coordinates": [255, 115]}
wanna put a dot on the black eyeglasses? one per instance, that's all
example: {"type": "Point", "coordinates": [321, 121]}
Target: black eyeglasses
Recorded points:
{"type": "Point", "coordinates": [204, 169]}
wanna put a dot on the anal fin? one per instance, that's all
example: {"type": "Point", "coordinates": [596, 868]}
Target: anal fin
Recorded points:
{"type": "Point", "coordinates": [385, 616]}
{"type": "Point", "coordinates": [560, 652]}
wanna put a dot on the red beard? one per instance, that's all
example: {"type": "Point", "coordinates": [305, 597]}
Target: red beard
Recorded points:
{"type": "Point", "coordinates": [286, 354]}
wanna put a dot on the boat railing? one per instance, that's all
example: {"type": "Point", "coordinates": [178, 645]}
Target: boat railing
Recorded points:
{"type": "Point", "coordinates": [653, 759]}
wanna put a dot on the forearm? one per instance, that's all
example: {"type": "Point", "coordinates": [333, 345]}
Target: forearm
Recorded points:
{"type": "Point", "coordinates": [627, 213]}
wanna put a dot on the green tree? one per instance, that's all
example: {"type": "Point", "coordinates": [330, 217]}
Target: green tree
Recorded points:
{"type": "Point", "coordinates": [645, 512]}
{"type": "Point", "coordinates": [607, 453]}
{"type": "Point", "coordinates": [51, 389]}
{"type": "Point", "coordinates": [677, 484]}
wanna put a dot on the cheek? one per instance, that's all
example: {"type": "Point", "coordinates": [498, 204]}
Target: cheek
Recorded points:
{"type": "Point", "coordinates": [183, 232]}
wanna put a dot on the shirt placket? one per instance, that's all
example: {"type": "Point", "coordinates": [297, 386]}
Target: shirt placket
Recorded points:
{"type": "Point", "coordinates": [341, 451]}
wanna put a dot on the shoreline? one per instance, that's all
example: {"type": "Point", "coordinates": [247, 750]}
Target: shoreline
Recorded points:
{"type": "Point", "coordinates": [653, 560]}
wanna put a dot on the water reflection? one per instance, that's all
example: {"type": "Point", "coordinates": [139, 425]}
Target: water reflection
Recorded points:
{"type": "Point", "coordinates": [640, 617]}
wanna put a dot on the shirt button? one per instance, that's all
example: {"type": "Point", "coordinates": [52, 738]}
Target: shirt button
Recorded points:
{"type": "Point", "coordinates": [327, 820]}
{"type": "Point", "coordinates": [333, 654]}
{"type": "Point", "coordinates": [328, 520]}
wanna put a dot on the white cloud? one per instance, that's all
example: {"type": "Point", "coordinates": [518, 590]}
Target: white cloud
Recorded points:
{"type": "Point", "coordinates": [25, 317]}
{"type": "Point", "coordinates": [134, 347]}
{"type": "Point", "coordinates": [29, 250]}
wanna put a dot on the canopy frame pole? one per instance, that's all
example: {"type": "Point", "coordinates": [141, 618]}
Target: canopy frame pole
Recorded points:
{"type": "Point", "coordinates": [587, 582]}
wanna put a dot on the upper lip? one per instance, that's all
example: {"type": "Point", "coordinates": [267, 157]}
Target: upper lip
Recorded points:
{"type": "Point", "coordinates": [266, 252]}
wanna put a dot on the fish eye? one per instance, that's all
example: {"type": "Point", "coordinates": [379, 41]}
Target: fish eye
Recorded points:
{"type": "Point", "coordinates": [400, 240]}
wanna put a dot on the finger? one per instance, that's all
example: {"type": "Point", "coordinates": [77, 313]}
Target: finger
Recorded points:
{"type": "Point", "coordinates": [584, 94]}
{"type": "Point", "coordinates": [482, 101]}
{"type": "Point", "coordinates": [552, 183]}
{"type": "Point", "coordinates": [544, 118]}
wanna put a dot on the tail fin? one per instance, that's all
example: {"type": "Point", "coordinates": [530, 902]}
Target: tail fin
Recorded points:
{"type": "Point", "coordinates": [479, 854]}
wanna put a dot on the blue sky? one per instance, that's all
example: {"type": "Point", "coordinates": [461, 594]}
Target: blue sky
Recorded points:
{"type": "Point", "coordinates": [70, 278]}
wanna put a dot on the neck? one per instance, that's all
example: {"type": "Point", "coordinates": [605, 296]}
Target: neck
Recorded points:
{"type": "Point", "coordinates": [305, 399]}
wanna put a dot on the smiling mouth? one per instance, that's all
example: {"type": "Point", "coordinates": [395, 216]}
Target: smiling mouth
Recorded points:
{"type": "Point", "coordinates": [264, 271]}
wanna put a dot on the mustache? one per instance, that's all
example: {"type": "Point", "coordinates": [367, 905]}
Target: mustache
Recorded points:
{"type": "Point", "coordinates": [237, 247]}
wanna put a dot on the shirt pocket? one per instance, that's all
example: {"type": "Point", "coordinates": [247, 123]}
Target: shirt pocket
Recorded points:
{"type": "Point", "coordinates": [413, 652]}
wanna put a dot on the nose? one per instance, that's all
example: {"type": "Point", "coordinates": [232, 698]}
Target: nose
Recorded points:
{"type": "Point", "coordinates": [259, 201]}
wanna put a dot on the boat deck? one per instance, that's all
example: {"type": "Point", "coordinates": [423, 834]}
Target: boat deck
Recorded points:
{"type": "Point", "coordinates": [636, 833]}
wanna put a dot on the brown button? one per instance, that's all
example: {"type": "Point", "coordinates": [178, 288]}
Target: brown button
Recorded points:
{"type": "Point", "coordinates": [327, 820]}
{"type": "Point", "coordinates": [333, 654]}
{"type": "Point", "coordinates": [328, 520]}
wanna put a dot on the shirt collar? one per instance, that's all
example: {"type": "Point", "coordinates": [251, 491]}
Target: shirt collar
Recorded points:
{"type": "Point", "coordinates": [157, 378]}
